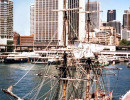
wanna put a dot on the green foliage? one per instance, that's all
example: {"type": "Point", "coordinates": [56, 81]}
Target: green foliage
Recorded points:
{"type": "Point", "coordinates": [10, 47]}
{"type": "Point", "coordinates": [9, 42]}
{"type": "Point", "coordinates": [124, 43]}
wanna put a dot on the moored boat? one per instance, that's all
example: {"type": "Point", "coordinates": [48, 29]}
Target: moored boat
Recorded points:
{"type": "Point", "coordinates": [15, 58]}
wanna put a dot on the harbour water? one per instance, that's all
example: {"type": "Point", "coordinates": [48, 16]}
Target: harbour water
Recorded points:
{"type": "Point", "coordinates": [119, 82]}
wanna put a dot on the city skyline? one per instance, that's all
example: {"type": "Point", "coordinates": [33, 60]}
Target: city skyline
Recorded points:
{"type": "Point", "coordinates": [22, 12]}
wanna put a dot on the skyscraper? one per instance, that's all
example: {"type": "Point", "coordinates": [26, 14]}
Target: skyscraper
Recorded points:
{"type": "Point", "coordinates": [32, 19]}
{"type": "Point", "coordinates": [111, 15]}
{"type": "Point", "coordinates": [6, 19]}
{"type": "Point", "coordinates": [126, 19]}
{"type": "Point", "coordinates": [73, 18]}
{"type": "Point", "coordinates": [116, 25]}
{"type": "Point", "coordinates": [46, 21]}
{"type": "Point", "coordinates": [94, 16]}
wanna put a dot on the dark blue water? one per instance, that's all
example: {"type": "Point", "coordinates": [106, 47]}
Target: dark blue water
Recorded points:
{"type": "Point", "coordinates": [11, 73]}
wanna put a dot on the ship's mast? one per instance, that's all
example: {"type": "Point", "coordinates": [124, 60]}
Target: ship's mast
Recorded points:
{"type": "Point", "coordinates": [88, 20]}
{"type": "Point", "coordinates": [64, 23]}
{"type": "Point", "coordinates": [88, 69]}
{"type": "Point", "coordinates": [64, 69]}
{"type": "Point", "coordinates": [97, 83]}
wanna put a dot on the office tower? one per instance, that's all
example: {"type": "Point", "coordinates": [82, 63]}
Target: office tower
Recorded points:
{"type": "Point", "coordinates": [73, 20]}
{"type": "Point", "coordinates": [111, 15]}
{"type": "Point", "coordinates": [76, 20]}
{"type": "Point", "coordinates": [94, 7]}
{"type": "Point", "coordinates": [32, 19]}
{"type": "Point", "coordinates": [126, 19]}
{"type": "Point", "coordinates": [46, 21]}
{"type": "Point", "coordinates": [125, 34]}
{"type": "Point", "coordinates": [6, 19]}
{"type": "Point", "coordinates": [116, 25]}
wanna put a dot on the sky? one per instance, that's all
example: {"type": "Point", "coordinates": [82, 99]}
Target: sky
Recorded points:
{"type": "Point", "coordinates": [22, 12]}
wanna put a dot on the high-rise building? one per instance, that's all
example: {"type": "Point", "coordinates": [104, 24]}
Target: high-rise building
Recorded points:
{"type": "Point", "coordinates": [111, 15]}
{"type": "Point", "coordinates": [125, 34]}
{"type": "Point", "coordinates": [94, 6]}
{"type": "Point", "coordinates": [76, 20]}
{"type": "Point", "coordinates": [116, 25]}
{"type": "Point", "coordinates": [6, 19]}
{"type": "Point", "coordinates": [126, 19]}
{"type": "Point", "coordinates": [46, 21]}
{"type": "Point", "coordinates": [32, 19]}
{"type": "Point", "coordinates": [73, 18]}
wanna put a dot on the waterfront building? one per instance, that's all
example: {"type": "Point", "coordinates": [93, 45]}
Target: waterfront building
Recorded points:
{"type": "Point", "coordinates": [27, 40]}
{"type": "Point", "coordinates": [94, 16]}
{"type": "Point", "coordinates": [108, 29]}
{"type": "Point", "coordinates": [126, 19]}
{"type": "Point", "coordinates": [105, 38]}
{"type": "Point", "coordinates": [115, 24]}
{"type": "Point", "coordinates": [111, 15]}
{"type": "Point", "coordinates": [6, 19]}
{"type": "Point", "coordinates": [109, 34]}
{"type": "Point", "coordinates": [125, 34]}
{"type": "Point", "coordinates": [32, 19]}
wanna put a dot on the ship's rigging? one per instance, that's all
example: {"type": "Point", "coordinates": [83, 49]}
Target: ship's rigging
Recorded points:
{"type": "Point", "coordinates": [74, 79]}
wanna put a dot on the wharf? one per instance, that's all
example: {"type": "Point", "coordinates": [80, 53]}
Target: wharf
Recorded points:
{"type": "Point", "coordinates": [119, 54]}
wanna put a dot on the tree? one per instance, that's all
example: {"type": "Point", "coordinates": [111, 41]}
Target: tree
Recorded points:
{"type": "Point", "coordinates": [10, 46]}
{"type": "Point", "coordinates": [124, 42]}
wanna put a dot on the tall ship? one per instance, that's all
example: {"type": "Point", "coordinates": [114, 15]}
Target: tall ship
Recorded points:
{"type": "Point", "coordinates": [78, 77]}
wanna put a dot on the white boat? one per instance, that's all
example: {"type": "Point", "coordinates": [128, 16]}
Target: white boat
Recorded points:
{"type": "Point", "coordinates": [16, 58]}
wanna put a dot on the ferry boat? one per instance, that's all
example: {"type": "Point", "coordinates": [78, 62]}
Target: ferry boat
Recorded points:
{"type": "Point", "coordinates": [15, 58]}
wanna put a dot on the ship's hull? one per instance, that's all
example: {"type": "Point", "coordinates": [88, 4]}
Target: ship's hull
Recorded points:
{"type": "Point", "coordinates": [20, 60]}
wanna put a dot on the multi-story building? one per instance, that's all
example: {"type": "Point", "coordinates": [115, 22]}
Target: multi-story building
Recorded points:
{"type": "Point", "coordinates": [76, 20]}
{"type": "Point", "coordinates": [107, 35]}
{"type": "Point", "coordinates": [103, 37]}
{"type": "Point", "coordinates": [125, 34]}
{"type": "Point", "coordinates": [46, 21]}
{"type": "Point", "coordinates": [126, 19]}
{"type": "Point", "coordinates": [111, 15]}
{"type": "Point", "coordinates": [27, 40]}
{"type": "Point", "coordinates": [32, 19]}
{"type": "Point", "coordinates": [109, 29]}
{"type": "Point", "coordinates": [6, 19]}
{"type": "Point", "coordinates": [94, 7]}
{"type": "Point", "coordinates": [115, 24]}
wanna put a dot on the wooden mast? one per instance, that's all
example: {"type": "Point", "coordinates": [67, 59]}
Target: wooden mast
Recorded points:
{"type": "Point", "coordinates": [64, 23]}
{"type": "Point", "coordinates": [87, 88]}
{"type": "Point", "coordinates": [97, 83]}
{"type": "Point", "coordinates": [64, 72]}
{"type": "Point", "coordinates": [88, 69]}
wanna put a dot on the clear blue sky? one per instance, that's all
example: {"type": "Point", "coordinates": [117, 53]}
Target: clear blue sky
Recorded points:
{"type": "Point", "coordinates": [22, 12]}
